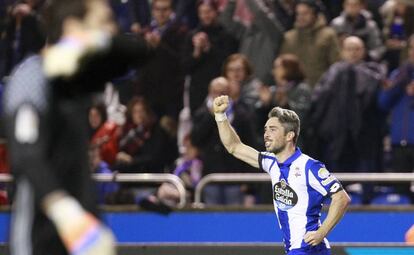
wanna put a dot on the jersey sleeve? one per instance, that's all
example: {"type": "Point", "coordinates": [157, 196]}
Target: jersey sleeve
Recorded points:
{"type": "Point", "coordinates": [266, 161]}
{"type": "Point", "coordinates": [322, 180]}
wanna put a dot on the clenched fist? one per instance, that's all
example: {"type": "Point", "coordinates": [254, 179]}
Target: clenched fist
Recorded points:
{"type": "Point", "coordinates": [220, 104]}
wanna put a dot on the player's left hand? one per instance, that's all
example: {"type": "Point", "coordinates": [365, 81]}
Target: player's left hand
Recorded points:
{"type": "Point", "coordinates": [314, 237]}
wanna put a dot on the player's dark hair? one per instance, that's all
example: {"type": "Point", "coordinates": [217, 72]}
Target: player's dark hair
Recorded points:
{"type": "Point", "coordinates": [289, 120]}
{"type": "Point", "coordinates": [55, 12]}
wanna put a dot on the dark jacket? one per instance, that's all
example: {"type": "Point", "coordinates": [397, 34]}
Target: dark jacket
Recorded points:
{"type": "Point", "coordinates": [205, 136]}
{"type": "Point", "coordinates": [148, 148]}
{"type": "Point", "coordinates": [161, 80]}
{"type": "Point", "coordinates": [208, 66]}
{"type": "Point", "coordinates": [345, 110]}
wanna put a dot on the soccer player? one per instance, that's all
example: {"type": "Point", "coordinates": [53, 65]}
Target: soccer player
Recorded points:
{"type": "Point", "coordinates": [45, 105]}
{"type": "Point", "coordinates": [300, 183]}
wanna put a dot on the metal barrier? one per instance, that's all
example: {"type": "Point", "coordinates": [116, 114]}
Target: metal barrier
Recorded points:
{"type": "Point", "coordinates": [263, 177]}
{"type": "Point", "coordinates": [137, 178]}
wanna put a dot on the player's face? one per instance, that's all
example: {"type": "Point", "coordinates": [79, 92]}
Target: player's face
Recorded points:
{"type": "Point", "coordinates": [274, 136]}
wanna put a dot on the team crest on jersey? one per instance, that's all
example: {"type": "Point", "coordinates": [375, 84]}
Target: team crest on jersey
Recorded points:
{"type": "Point", "coordinates": [297, 172]}
{"type": "Point", "coordinates": [284, 196]}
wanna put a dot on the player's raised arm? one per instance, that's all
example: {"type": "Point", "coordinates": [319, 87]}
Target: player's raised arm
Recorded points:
{"type": "Point", "coordinates": [229, 137]}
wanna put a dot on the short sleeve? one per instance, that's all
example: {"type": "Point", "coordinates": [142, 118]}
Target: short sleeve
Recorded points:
{"type": "Point", "coordinates": [266, 161]}
{"type": "Point", "coordinates": [322, 180]}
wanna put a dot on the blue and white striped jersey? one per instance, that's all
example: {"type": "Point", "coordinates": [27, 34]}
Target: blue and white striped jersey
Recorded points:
{"type": "Point", "coordinates": [300, 184]}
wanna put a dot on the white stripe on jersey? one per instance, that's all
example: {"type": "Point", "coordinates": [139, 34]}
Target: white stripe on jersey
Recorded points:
{"type": "Point", "coordinates": [316, 185]}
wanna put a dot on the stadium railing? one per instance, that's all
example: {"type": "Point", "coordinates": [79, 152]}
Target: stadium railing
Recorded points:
{"type": "Point", "coordinates": [263, 177]}
{"type": "Point", "coordinates": [136, 178]}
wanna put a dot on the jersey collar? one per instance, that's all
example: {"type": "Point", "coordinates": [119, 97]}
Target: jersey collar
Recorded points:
{"type": "Point", "coordinates": [292, 158]}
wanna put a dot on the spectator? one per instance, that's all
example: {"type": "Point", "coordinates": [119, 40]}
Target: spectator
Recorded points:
{"type": "Point", "coordinates": [143, 142]}
{"type": "Point", "coordinates": [189, 168]}
{"type": "Point", "coordinates": [206, 49]}
{"type": "Point", "coordinates": [103, 133]}
{"type": "Point", "coordinates": [187, 12]}
{"type": "Point", "coordinates": [345, 115]}
{"type": "Point", "coordinates": [205, 136]}
{"type": "Point", "coordinates": [315, 44]}
{"type": "Point", "coordinates": [132, 15]}
{"type": "Point", "coordinates": [161, 80]}
{"type": "Point", "coordinates": [260, 41]}
{"type": "Point", "coordinates": [357, 21]}
{"type": "Point", "coordinates": [398, 16]}
{"type": "Point", "coordinates": [398, 98]}
{"type": "Point", "coordinates": [291, 91]}
{"type": "Point", "coordinates": [99, 166]}
{"type": "Point", "coordinates": [243, 86]}
{"type": "Point", "coordinates": [285, 11]}
{"type": "Point", "coordinates": [23, 35]}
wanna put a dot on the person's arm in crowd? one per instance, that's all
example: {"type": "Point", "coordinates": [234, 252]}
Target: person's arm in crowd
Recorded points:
{"type": "Point", "coordinates": [333, 48]}
{"type": "Point", "coordinates": [337, 208]}
{"type": "Point", "coordinates": [266, 19]}
{"type": "Point", "coordinates": [236, 28]}
{"type": "Point", "coordinates": [375, 46]}
{"type": "Point", "coordinates": [393, 90]}
{"type": "Point", "coordinates": [229, 137]}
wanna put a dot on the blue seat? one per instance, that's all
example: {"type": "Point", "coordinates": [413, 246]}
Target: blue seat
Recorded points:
{"type": "Point", "coordinates": [391, 199]}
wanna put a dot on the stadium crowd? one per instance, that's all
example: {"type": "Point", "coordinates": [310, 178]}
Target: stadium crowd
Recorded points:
{"type": "Point", "coordinates": [346, 67]}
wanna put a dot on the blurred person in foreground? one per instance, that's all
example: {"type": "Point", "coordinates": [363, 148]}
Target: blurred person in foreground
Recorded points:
{"type": "Point", "coordinates": [46, 109]}
{"type": "Point", "coordinates": [300, 184]}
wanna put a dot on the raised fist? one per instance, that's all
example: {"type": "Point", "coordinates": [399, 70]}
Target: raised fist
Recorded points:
{"type": "Point", "coordinates": [220, 104]}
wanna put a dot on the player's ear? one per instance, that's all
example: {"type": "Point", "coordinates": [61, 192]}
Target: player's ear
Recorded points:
{"type": "Point", "coordinates": [290, 136]}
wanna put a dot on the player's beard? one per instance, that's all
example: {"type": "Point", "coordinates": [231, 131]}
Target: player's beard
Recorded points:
{"type": "Point", "coordinates": [277, 149]}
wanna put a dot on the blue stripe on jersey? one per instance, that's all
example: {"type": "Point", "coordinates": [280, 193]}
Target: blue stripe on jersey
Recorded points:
{"type": "Point", "coordinates": [283, 215]}
{"type": "Point", "coordinates": [314, 204]}
{"type": "Point", "coordinates": [284, 222]}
